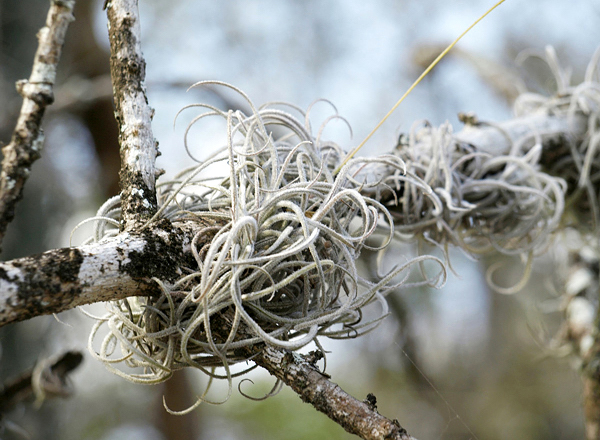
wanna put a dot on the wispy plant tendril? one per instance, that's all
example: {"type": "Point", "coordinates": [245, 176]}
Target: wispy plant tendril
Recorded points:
{"type": "Point", "coordinates": [278, 233]}
{"type": "Point", "coordinates": [279, 221]}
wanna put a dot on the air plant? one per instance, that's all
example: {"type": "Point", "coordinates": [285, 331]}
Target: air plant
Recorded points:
{"type": "Point", "coordinates": [277, 238]}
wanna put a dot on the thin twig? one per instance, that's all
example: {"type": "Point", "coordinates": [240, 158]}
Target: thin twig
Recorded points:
{"type": "Point", "coordinates": [580, 327]}
{"type": "Point", "coordinates": [133, 114]}
{"type": "Point", "coordinates": [27, 139]}
{"type": "Point", "coordinates": [591, 392]}
{"type": "Point", "coordinates": [302, 375]}
{"type": "Point", "coordinates": [357, 417]}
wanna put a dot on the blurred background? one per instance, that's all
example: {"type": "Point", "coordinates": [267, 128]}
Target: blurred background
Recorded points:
{"type": "Point", "coordinates": [458, 363]}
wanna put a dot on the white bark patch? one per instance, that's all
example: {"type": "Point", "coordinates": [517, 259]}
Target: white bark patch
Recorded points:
{"type": "Point", "coordinates": [102, 263]}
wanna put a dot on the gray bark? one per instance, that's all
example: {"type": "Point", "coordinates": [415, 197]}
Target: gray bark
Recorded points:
{"type": "Point", "coordinates": [138, 146]}
{"type": "Point", "coordinates": [27, 140]}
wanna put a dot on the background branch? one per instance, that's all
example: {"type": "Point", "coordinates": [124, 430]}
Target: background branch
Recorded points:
{"type": "Point", "coordinates": [497, 139]}
{"type": "Point", "coordinates": [37, 92]}
{"type": "Point", "coordinates": [580, 329]}
{"type": "Point", "coordinates": [48, 379]}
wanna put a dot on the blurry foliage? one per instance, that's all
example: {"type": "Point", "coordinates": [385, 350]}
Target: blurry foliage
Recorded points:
{"type": "Point", "coordinates": [282, 417]}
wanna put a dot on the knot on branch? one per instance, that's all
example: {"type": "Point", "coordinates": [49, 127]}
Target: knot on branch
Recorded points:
{"type": "Point", "coordinates": [41, 93]}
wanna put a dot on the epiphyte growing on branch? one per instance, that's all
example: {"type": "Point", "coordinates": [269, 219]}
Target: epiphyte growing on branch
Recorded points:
{"type": "Point", "coordinates": [277, 235]}
{"type": "Point", "coordinates": [279, 224]}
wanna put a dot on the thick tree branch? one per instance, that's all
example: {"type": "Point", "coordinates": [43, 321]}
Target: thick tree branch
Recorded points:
{"type": "Point", "coordinates": [27, 140]}
{"type": "Point", "coordinates": [133, 114]}
{"type": "Point", "coordinates": [62, 279]}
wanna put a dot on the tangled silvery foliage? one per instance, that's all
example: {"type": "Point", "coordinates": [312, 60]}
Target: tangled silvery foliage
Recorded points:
{"type": "Point", "coordinates": [286, 227]}
{"type": "Point", "coordinates": [478, 201]}
{"type": "Point", "coordinates": [579, 165]}
{"type": "Point", "coordinates": [510, 203]}
{"type": "Point", "coordinates": [279, 231]}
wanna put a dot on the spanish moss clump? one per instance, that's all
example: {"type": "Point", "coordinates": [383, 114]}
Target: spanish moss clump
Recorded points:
{"type": "Point", "coordinates": [277, 235]}
{"type": "Point", "coordinates": [478, 201]}
{"type": "Point", "coordinates": [279, 217]}
{"type": "Point", "coordinates": [510, 202]}
{"type": "Point", "coordinates": [579, 163]}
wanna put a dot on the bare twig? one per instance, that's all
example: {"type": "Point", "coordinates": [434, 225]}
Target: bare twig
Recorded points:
{"type": "Point", "coordinates": [48, 379]}
{"type": "Point", "coordinates": [133, 114]}
{"type": "Point", "coordinates": [591, 392]}
{"type": "Point", "coordinates": [357, 417]}
{"type": "Point", "coordinates": [27, 140]}
{"type": "Point", "coordinates": [302, 375]}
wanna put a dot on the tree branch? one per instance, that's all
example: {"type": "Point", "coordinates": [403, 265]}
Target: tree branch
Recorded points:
{"type": "Point", "coordinates": [497, 139]}
{"type": "Point", "coordinates": [580, 330]}
{"type": "Point", "coordinates": [356, 417]}
{"type": "Point", "coordinates": [121, 267]}
{"type": "Point", "coordinates": [48, 378]}
{"type": "Point", "coordinates": [301, 374]}
{"type": "Point", "coordinates": [591, 389]}
{"type": "Point", "coordinates": [138, 146]}
{"type": "Point", "coordinates": [27, 139]}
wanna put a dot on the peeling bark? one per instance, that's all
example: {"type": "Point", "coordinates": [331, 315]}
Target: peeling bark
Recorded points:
{"type": "Point", "coordinates": [138, 147]}
{"type": "Point", "coordinates": [37, 92]}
